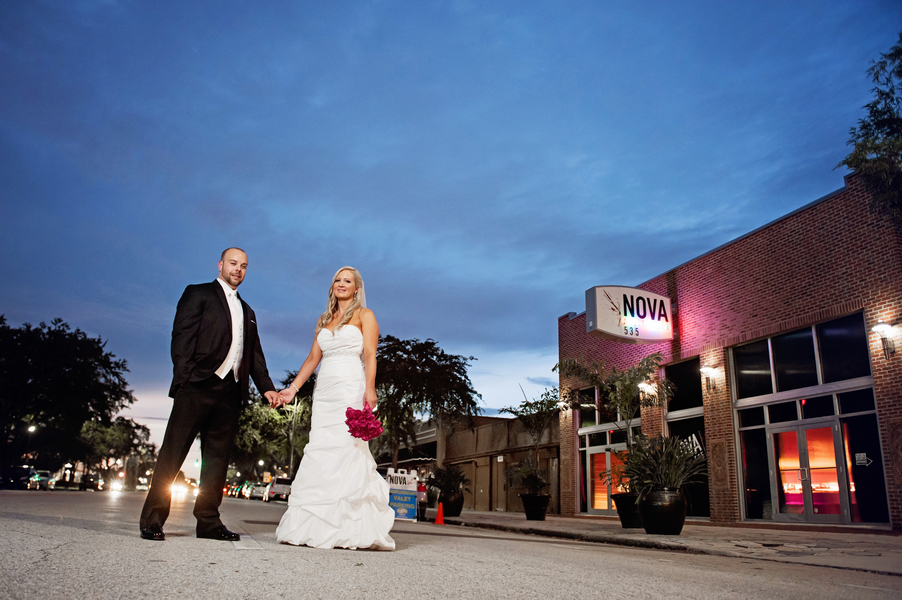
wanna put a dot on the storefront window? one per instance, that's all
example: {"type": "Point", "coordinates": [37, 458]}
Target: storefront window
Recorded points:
{"type": "Point", "coordinates": [857, 401]}
{"type": "Point", "coordinates": [750, 417]}
{"type": "Point", "coordinates": [697, 502]}
{"type": "Point", "coordinates": [814, 457]}
{"type": "Point", "coordinates": [587, 413]}
{"type": "Point", "coordinates": [843, 346]}
{"type": "Point", "coordinates": [864, 463]}
{"type": "Point", "coordinates": [755, 474]}
{"type": "Point", "coordinates": [688, 381]}
{"type": "Point", "coordinates": [794, 360]}
{"type": "Point", "coordinates": [752, 368]}
{"type": "Point", "coordinates": [598, 439]}
{"type": "Point", "coordinates": [782, 412]}
{"type": "Point", "coordinates": [841, 351]}
{"type": "Point", "coordinates": [822, 406]}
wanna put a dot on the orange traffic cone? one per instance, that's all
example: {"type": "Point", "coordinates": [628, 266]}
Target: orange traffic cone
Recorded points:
{"type": "Point", "coordinates": [440, 517]}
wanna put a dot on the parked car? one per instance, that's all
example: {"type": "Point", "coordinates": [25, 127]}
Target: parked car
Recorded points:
{"type": "Point", "coordinates": [90, 482]}
{"type": "Point", "coordinates": [42, 480]}
{"type": "Point", "coordinates": [258, 491]}
{"type": "Point", "coordinates": [278, 489]}
{"type": "Point", "coordinates": [16, 477]}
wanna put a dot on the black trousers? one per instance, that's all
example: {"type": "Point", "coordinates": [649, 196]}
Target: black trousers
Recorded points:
{"type": "Point", "coordinates": [209, 407]}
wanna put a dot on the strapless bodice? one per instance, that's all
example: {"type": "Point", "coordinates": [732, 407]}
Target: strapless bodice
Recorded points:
{"type": "Point", "coordinates": [346, 341]}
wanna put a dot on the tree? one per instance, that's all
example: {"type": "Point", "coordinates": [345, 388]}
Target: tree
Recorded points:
{"type": "Point", "coordinates": [109, 447]}
{"type": "Point", "coordinates": [536, 416]}
{"type": "Point", "coordinates": [624, 392]}
{"type": "Point", "coordinates": [55, 379]}
{"type": "Point", "coordinates": [275, 436]}
{"type": "Point", "coordinates": [260, 436]}
{"type": "Point", "coordinates": [877, 140]}
{"type": "Point", "coordinates": [298, 417]}
{"type": "Point", "coordinates": [419, 378]}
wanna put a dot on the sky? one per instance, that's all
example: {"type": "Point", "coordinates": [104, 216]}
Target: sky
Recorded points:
{"type": "Point", "coordinates": [481, 163]}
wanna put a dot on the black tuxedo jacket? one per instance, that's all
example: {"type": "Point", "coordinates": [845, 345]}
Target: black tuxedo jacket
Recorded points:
{"type": "Point", "coordinates": [202, 336]}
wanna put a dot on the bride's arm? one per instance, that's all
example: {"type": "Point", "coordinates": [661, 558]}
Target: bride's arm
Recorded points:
{"type": "Point", "coordinates": [370, 329]}
{"type": "Point", "coordinates": [316, 355]}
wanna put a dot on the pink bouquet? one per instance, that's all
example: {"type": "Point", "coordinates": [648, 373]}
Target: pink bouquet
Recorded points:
{"type": "Point", "coordinates": [362, 423]}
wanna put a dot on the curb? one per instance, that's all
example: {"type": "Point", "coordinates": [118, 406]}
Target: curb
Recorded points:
{"type": "Point", "coordinates": [582, 537]}
{"type": "Point", "coordinates": [651, 544]}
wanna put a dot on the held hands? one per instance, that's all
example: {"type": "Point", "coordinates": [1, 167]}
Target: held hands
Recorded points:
{"type": "Point", "coordinates": [274, 399]}
{"type": "Point", "coordinates": [286, 396]}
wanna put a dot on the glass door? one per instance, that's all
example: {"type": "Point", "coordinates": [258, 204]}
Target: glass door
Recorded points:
{"type": "Point", "coordinates": [807, 473]}
{"type": "Point", "coordinates": [601, 460]}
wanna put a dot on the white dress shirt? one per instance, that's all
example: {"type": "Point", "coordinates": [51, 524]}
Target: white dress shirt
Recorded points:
{"type": "Point", "coordinates": [236, 350]}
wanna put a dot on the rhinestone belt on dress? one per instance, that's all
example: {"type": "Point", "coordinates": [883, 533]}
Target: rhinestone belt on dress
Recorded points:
{"type": "Point", "coordinates": [333, 353]}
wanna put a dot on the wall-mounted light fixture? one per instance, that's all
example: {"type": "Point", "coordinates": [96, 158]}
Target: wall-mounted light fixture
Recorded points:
{"type": "Point", "coordinates": [710, 382]}
{"type": "Point", "coordinates": [883, 329]}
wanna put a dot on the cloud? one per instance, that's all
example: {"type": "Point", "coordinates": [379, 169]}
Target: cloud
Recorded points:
{"type": "Point", "coordinates": [482, 166]}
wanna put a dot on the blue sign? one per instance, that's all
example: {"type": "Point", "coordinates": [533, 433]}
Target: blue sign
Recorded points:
{"type": "Point", "coordinates": [404, 503]}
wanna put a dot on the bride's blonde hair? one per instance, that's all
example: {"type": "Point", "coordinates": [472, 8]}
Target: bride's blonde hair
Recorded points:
{"type": "Point", "coordinates": [332, 305]}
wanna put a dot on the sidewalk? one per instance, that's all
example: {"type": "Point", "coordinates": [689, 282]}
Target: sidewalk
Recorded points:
{"type": "Point", "coordinates": [874, 550]}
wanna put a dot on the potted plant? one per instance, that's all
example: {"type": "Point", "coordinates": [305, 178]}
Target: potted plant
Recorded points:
{"type": "Point", "coordinates": [623, 394]}
{"type": "Point", "coordinates": [658, 468]}
{"type": "Point", "coordinates": [625, 497]}
{"type": "Point", "coordinates": [536, 416]}
{"type": "Point", "coordinates": [451, 482]}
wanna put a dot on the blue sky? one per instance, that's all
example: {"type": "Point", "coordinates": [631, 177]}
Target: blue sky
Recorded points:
{"type": "Point", "coordinates": [481, 163]}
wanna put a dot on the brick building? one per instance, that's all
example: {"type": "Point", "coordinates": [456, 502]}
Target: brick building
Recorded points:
{"type": "Point", "coordinates": [779, 373]}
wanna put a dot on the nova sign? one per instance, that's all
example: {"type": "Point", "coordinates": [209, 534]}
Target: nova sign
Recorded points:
{"type": "Point", "coordinates": [626, 314]}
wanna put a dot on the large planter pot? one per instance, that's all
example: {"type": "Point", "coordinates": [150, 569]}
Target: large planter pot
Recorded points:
{"type": "Point", "coordinates": [535, 506]}
{"type": "Point", "coordinates": [452, 503]}
{"type": "Point", "coordinates": [663, 512]}
{"type": "Point", "coordinates": [627, 510]}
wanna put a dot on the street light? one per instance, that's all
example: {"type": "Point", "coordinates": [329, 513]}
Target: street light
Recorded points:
{"type": "Point", "coordinates": [31, 429]}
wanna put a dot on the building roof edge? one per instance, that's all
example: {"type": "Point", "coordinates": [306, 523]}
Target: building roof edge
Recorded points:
{"type": "Point", "coordinates": [832, 194]}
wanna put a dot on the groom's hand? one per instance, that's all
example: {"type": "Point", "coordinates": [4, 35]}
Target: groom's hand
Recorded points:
{"type": "Point", "coordinates": [275, 400]}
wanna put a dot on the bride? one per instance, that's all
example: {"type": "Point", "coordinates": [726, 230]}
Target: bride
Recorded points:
{"type": "Point", "coordinates": [338, 500]}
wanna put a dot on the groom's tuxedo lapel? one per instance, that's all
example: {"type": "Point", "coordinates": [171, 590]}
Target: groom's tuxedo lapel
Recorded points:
{"type": "Point", "coordinates": [220, 293]}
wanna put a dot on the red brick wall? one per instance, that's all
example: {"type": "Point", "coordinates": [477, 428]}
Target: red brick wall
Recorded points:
{"type": "Point", "coordinates": [826, 260]}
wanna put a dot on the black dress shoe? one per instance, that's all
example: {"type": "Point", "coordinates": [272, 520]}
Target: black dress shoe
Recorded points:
{"type": "Point", "coordinates": [154, 532]}
{"type": "Point", "coordinates": [220, 534]}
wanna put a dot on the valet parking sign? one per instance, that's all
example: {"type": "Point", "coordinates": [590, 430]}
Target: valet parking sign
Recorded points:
{"type": "Point", "coordinates": [630, 315]}
{"type": "Point", "coordinates": [402, 493]}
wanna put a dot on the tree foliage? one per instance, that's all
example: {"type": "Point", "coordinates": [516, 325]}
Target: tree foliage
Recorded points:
{"type": "Point", "coordinates": [536, 416]}
{"type": "Point", "coordinates": [108, 447]}
{"type": "Point", "coordinates": [275, 436]}
{"type": "Point", "coordinates": [260, 437]}
{"type": "Point", "coordinates": [55, 379]}
{"type": "Point", "coordinates": [877, 140]}
{"type": "Point", "coordinates": [298, 417]}
{"type": "Point", "coordinates": [623, 391]}
{"type": "Point", "coordinates": [417, 378]}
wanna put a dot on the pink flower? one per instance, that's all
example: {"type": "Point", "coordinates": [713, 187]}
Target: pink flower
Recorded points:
{"type": "Point", "coordinates": [362, 423]}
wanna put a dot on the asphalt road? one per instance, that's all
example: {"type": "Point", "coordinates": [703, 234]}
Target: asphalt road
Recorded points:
{"type": "Point", "coordinates": [86, 545]}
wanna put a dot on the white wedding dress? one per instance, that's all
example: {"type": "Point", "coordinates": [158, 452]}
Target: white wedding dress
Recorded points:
{"type": "Point", "coordinates": [338, 500]}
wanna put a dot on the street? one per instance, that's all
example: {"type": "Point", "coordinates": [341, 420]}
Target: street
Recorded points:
{"type": "Point", "coordinates": [63, 544]}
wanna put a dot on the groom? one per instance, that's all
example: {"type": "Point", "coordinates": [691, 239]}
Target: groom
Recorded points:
{"type": "Point", "coordinates": [215, 349]}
